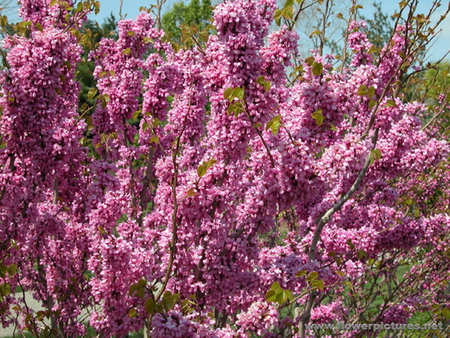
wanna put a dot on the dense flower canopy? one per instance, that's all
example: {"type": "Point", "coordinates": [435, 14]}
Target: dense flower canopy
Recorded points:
{"type": "Point", "coordinates": [203, 178]}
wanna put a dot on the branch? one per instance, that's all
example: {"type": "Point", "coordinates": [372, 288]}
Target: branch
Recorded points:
{"type": "Point", "coordinates": [320, 224]}
{"type": "Point", "coordinates": [159, 4]}
{"type": "Point", "coordinates": [325, 17]}
{"type": "Point", "coordinates": [173, 243]}
{"type": "Point", "coordinates": [327, 215]}
{"type": "Point", "coordinates": [272, 161]}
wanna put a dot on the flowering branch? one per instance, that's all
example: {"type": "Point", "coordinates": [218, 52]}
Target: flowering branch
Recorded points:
{"type": "Point", "coordinates": [323, 220]}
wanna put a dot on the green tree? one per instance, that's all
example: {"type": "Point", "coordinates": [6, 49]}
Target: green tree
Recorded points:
{"type": "Point", "coordinates": [432, 86]}
{"type": "Point", "coordinates": [92, 33]}
{"type": "Point", "coordinates": [379, 27]}
{"type": "Point", "coordinates": [194, 14]}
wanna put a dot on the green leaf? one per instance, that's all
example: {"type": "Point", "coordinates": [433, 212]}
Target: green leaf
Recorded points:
{"type": "Point", "coordinates": [318, 283]}
{"type": "Point", "coordinates": [316, 32]}
{"type": "Point", "coordinates": [202, 168]}
{"type": "Point", "coordinates": [40, 315]}
{"type": "Point", "coordinates": [138, 289]}
{"type": "Point", "coordinates": [371, 92]}
{"type": "Point", "coordinates": [210, 163]}
{"type": "Point", "coordinates": [348, 284]}
{"type": "Point", "coordinates": [262, 81]}
{"type": "Point", "coordinates": [39, 27]}
{"type": "Point", "coordinates": [169, 300]}
{"type": "Point", "coordinates": [231, 93]}
{"type": "Point", "coordinates": [350, 244]}
{"type": "Point", "coordinates": [191, 192]}
{"type": "Point", "coordinates": [377, 154]}
{"type": "Point", "coordinates": [391, 103]}
{"type": "Point", "coordinates": [312, 276]}
{"type": "Point", "coordinates": [79, 8]}
{"type": "Point", "coordinates": [309, 60]}
{"type": "Point", "coordinates": [132, 313]}
{"type": "Point", "coordinates": [96, 7]}
{"type": "Point", "coordinates": [204, 36]}
{"type": "Point", "coordinates": [446, 313]}
{"type": "Point", "coordinates": [186, 306]}
{"type": "Point", "coordinates": [288, 295]}
{"type": "Point", "coordinates": [12, 269]}
{"type": "Point", "coordinates": [227, 93]}
{"type": "Point", "coordinates": [276, 294]}
{"type": "Point", "coordinates": [4, 21]}
{"type": "Point", "coordinates": [362, 90]}
{"type": "Point", "coordinates": [136, 115]}
{"type": "Point", "coordinates": [289, 3]}
{"type": "Point", "coordinates": [271, 296]}
{"type": "Point", "coordinates": [280, 299]}
{"type": "Point", "coordinates": [435, 308]}
{"type": "Point", "coordinates": [105, 100]}
{"type": "Point", "coordinates": [276, 286]}
{"type": "Point", "coordinates": [317, 68]}
{"type": "Point", "coordinates": [91, 93]}
{"type": "Point", "coordinates": [150, 306]}
{"type": "Point", "coordinates": [146, 39]}
{"type": "Point", "coordinates": [5, 290]}
{"type": "Point", "coordinates": [239, 93]}
{"type": "Point", "coordinates": [288, 12]}
{"type": "Point", "coordinates": [126, 51]}
{"type": "Point", "coordinates": [318, 117]}
{"type": "Point", "coordinates": [274, 124]}
{"type": "Point", "coordinates": [301, 273]}
{"type": "Point", "coordinates": [277, 16]}
{"type": "Point", "coordinates": [371, 158]}
{"type": "Point", "coordinates": [235, 108]}
{"type": "Point", "coordinates": [361, 255]}
{"type": "Point", "coordinates": [131, 33]}
{"type": "Point", "coordinates": [372, 103]}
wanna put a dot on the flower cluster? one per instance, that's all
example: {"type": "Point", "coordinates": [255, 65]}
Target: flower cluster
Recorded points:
{"type": "Point", "coordinates": [259, 318]}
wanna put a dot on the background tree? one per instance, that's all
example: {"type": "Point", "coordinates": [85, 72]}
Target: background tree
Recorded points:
{"type": "Point", "coordinates": [91, 33]}
{"type": "Point", "coordinates": [380, 26]}
{"type": "Point", "coordinates": [194, 14]}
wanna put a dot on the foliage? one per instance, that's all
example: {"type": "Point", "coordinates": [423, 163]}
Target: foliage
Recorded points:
{"type": "Point", "coordinates": [92, 33]}
{"type": "Point", "coordinates": [380, 26]}
{"type": "Point", "coordinates": [194, 14]}
{"type": "Point", "coordinates": [203, 192]}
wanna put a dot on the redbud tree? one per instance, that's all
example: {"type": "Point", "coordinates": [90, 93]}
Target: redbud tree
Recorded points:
{"type": "Point", "coordinates": [225, 187]}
